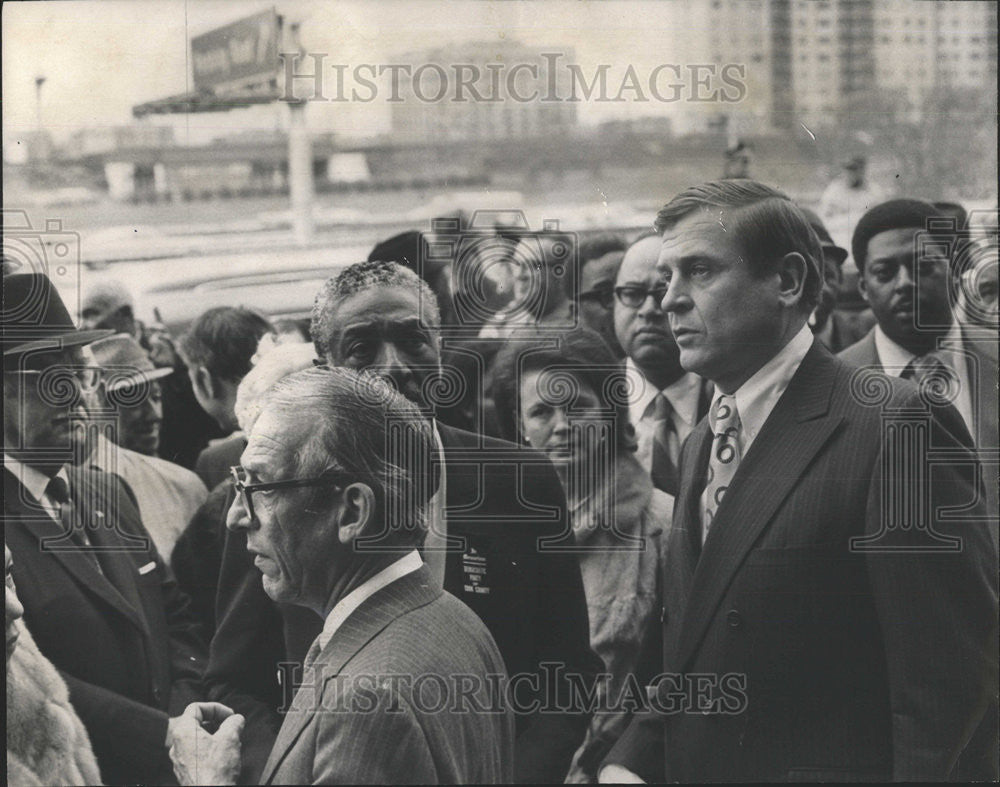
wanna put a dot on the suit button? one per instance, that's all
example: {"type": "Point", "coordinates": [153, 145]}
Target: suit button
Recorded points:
{"type": "Point", "coordinates": [734, 618]}
{"type": "Point", "coordinates": [157, 695]}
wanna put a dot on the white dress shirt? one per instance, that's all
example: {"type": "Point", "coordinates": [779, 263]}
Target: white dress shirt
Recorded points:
{"type": "Point", "coordinates": [342, 610]}
{"type": "Point", "coordinates": [683, 394]}
{"type": "Point", "coordinates": [36, 482]}
{"type": "Point", "coordinates": [436, 541]}
{"type": "Point", "coordinates": [756, 398]}
{"type": "Point", "coordinates": [894, 359]}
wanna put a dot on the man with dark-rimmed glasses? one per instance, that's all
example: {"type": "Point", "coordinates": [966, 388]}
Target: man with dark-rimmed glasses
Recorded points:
{"type": "Point", "coordinates": [332, 492]}
{"type": "Point", "coordinates": [98, 599]}
{"type": "Point", "coordinates": [665, 402]}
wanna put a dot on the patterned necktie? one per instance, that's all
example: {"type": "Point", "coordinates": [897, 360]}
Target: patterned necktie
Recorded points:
{"type": "Point", "coordinates": [723, 460]}
{"type": "Point", "coordinates": [927, 367]}
{"type": "Point", "coordinates": [666, 447]}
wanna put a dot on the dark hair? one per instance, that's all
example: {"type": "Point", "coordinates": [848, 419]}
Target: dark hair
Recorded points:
{"type": "Point", "coordinates": [599, 245]}
{"type": "Point", "coordinates": [766, 221]}
{"type": "Point", "coordinates": [223, 340]}
{"type": "Point", "coordinates": [581, 353]}
{"type": "Point", "coordinates": [896, 214]}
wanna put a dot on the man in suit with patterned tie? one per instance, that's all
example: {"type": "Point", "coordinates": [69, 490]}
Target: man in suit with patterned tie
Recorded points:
{"type": "Point", "coordinates": [910, 269]}
{"type": "Point", "coordinates": [98, 598]}
{"type": "Point", "coordinates": [665, 401]}
{"type": "Point", "coordinates": [830, 602]}
{"type": "Point", "coordinates": [399, 685]}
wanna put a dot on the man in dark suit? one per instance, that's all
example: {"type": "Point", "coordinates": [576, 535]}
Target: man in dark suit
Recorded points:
{"type": "Point", "coordinates": [908, 256]}
{"type": "Point", "coordinates": [98, 599]}
{"type": "Point", "coordinates": [820, 622]}
{"type": "Point", "coordinates": [499, 511]}
{"type": "Point", "coordinates": [333, 512]}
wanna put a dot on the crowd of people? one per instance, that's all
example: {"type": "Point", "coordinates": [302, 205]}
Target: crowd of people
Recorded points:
{"type": "Point", "coordinates": [542, 509]}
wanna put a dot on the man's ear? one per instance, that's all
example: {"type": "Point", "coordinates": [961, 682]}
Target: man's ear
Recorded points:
{"type": "Point", "coordinates": [204, 383]}
{"type": "Point", "coordinates": [792, 274]}
{"type": "Point", "coordinates": [357, 510]}
{"type": "Point", "coordinates": [862, 287]}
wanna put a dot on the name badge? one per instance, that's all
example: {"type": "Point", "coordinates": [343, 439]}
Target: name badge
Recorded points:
{"type": "Point", "coordinates": [150, 566]}
{"type": "Point", "coordinates": [474, 572]}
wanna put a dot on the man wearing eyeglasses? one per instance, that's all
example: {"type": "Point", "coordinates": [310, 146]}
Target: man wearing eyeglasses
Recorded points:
{"type": "Point", "coordinates": [495, 505]}
{"type": "Point", "coordinates": [600, 259]}
{"type": "Point", "coordinates": [332, 494]}
{"type": "Point", "coordinates": [665, 402]}
{"type": "Point", "coordinates": [97, 597]}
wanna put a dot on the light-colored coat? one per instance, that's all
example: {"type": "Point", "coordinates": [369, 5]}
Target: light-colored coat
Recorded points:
{"type": "Point", "coordinates": [46, 741]}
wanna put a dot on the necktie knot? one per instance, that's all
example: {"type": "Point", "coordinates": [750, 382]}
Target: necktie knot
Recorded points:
{"type": "Point", "coordinates": [58, 490]}
{"type": "Point", "coordinates": [661, 408]}
{"type": "Point", "coordinates": [923, 366]}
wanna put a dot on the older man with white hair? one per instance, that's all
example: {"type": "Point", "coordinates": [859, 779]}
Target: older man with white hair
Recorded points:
{"type": "Point", "coordinates": [333, 486]}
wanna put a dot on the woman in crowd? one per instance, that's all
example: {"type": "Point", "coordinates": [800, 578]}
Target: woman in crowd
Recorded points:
{"type": "Point", "coordinates": [570, 401]}
{"type": "Point", "coordinates": [46, 741]}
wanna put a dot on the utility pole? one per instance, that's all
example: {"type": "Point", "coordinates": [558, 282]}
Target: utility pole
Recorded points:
{"type": "Point", "coordinates": [39, 81]}
{"type": "Point", "coordinates": [300, 171]}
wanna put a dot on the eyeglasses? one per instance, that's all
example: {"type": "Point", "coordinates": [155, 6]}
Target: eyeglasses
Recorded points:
{"type": "Point", "coordinates": [87, 377]}
{"type": "Point", "coordinates": [634, 296]}
{"type": "Point", "coordinates": [245, 490]}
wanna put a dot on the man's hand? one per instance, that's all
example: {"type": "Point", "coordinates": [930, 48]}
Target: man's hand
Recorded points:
{"type": "Point", "coordinates": [616, 774]}
{"type": "Point", "coordinates": [204, 744]}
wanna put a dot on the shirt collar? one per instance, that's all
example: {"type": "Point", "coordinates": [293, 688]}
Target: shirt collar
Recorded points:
{"type": "Point", "coordinates": [894, 358]}
{"type": "Point", "coordinates": [35, 481]}
{"type": "Point", "coordinates": [683, 394]}
{"type": "Point", "coordinates": [891, 356]}
{"type": "Point", "coordinates": [756, 398]}
{"type": "Point", "coordinates": [342, 610]}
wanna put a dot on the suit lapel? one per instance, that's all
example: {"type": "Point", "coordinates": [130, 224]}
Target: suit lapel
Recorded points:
{"type": "Point", "coordinates": [793, 434]}
{"type": "Point", "coordinates": [25, 510]}
{"type": "Point", "coordinates": [364, 624]}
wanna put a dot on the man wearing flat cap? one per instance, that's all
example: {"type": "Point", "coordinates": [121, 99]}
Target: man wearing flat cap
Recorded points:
{"type": "Point", "coordinates": [97, 597]}
{"type": "Point", "coordinates": [904, 250]}
{"type": "Point", "coordinates": [167, 494]}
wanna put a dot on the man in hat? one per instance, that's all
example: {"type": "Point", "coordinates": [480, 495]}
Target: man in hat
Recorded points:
{"type": "Point", "coordinates": [168, 495]}
{"type": "Point", "coordinates": [97, 597]}
{"type": "Point", "coordinates": [836, 328]}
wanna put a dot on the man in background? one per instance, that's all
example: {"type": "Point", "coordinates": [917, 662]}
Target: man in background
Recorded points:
{"type": "Point", "coordinates": [128, 397]}
{"type": "Point", "coordinates": [217, 350]}
{"type": "Point", "coordinates": [600, 258]}
{"type": "Point", "coordinates": [910, 280]}
{"type": "Point", "coordinates": [665, 401]}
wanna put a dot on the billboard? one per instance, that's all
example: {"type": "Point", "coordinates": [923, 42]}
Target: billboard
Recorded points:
{"type": "Point", "coordinates": [237, 55]}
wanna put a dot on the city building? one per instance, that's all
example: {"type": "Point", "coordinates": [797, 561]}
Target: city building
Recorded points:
{"type": "Point", "coordinates": [476, 91]}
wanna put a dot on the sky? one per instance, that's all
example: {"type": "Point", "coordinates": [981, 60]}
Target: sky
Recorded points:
{"type": "Point", "coordinates": [101, 57]}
